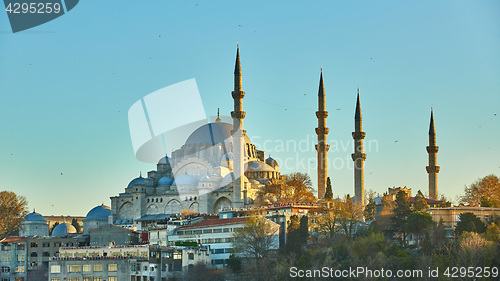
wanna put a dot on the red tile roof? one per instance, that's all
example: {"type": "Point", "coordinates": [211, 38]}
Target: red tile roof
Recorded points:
{"type": "Point", "coordinates": [216, 222]}
{"type": "Point", "coordinates": [13, 240]}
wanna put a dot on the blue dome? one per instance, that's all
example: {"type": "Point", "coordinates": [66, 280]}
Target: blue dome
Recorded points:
{"type": "Point", "coordinates": [118, 221]}
{"type": "Point", "coordinates": [34, 217]}
{"type": "Point", "coordinates": [100, 212]}
{"type": "Point", "coordinates": [139, 180]}
{"type": "Point", "coordinates": [185, 180]}
{"type": "Point", "coordinates": [63, 229]}
{"type": "Point", "coordinates": [165, 181]}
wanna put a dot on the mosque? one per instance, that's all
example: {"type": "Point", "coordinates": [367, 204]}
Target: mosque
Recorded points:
{"type": "Point", "coordinates": [217, 167]}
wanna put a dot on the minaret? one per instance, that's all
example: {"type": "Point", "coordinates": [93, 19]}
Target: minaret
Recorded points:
{"type": "Point", "coordinates": [322, 146]}
{"type": "Point", "coordinates": [218, 117]}
{"type": "Point", "coordinates": [238, 135]}
{"type": "Point", "coordinates": [358, 156]}
{"type": "Point", "coordinates": [432, 169]}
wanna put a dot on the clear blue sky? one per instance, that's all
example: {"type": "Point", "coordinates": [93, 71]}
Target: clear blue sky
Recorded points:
{"type": "Point", "coordinates": [66, 87]}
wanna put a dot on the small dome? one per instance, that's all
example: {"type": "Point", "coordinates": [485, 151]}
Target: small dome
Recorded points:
{"type": "Point", "coordinates": [164, 160]}
{"type": "Point", "coordinates": [118, 221]}
{"type": "Point", "coordinates": [271, 162]}
{"type": "Point", "coordinates": [136, 181]}
{"type": "Point", "coordinates": [165, 181]}
{"type": "Point", "coordinates": [229, 179]}
{"type": "Point", "coordinates": [63, 229]}
{"type": "Point", "coordinates": [100, 212]}
{"type": "Point", "coordinates": [257, 166]}
{"type": "Point", "coordinates": [34, 217]}
{"type": "Point", "coordinates": [125, 221]}
{"type": "Point", "coordinates": [185, 180]}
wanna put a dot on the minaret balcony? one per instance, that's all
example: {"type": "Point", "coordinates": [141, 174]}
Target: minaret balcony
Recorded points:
{"type": "Point", "coordinates": [238, 114]}
{"type": "Point", "coordinates": [432, 149]}
{"type": "Point", "coordinates": [321, 114]}
{"type": "Point", "coordinates": [356, 156]}
{"type": "Point", "coordinates": [322, 147]}
{"type": "Point", "coordinates": [238, 94]}
{"type": "Point", "coordinates": [432, 169]}
{"type": "Point", "coordinates": [358, 135]}
{"type": "Point", "coordinates": [322, 131]}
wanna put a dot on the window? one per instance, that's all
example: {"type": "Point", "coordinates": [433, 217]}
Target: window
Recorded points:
{"type": "Point", "coordinates": [74, 279]}
{"type": "Point", "coordinates": [20, 246]}
{"type": "Point", "coordinates": [46, 254]}
{"type": "Point", "coordinates": [217, 230]}
{"type": "Point", "coordinates": [112, 267]}
{"type": "Point", "coordinates": [5, 269]}
{"type": "Point", "coordinates": [112, 278]}
{"type": "Point", "coordinates": [97, 278]}
{"type": "Point", "coordinates": [177, 256]}
{"type": "Point", "coordinates": [55, 279]}
{"type": "Point", "coordinates": [21, 257]}
{"type": "Point", "coordinates": [97, 267]}
{"type": "Point", "coordinates": [34, 245]}
{"type": "Point", "coordinates": [20, 268]}
{"type": "Point", "coordinates": [87, 268]}
{"type": "Point", "coordinates": [87, 278]}
{"type": "Point", "coordinates": [74, 268]}
{"type": "Point", "coordinates": [57, 244]}
{"type": "Point", "coordinates": [46, 244]}
{"type": "Point", "coordinates": [217, 251]}
{"type": "Point", "coordinates": [227, 229]}
{"type": "Point", "coordinates": [6, 247]}
{"type": "Point", "coordinates": [191, 256]}
{"type": "Point", "coordinates": [163, 267]}
{"type": "Point", "coordinates": [5, 258]}
{"type": "Point", "coordinates": [34, 255]}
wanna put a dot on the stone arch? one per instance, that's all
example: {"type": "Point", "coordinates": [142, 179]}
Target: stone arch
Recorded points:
{"type": "Point", "coordinates": [222, 202]}
{"type": "Point", "coordinates": [173, 207]}
{"type": "Point", "coordinates": [152, 210]}
{"type": "Point", "coordinates": [126, 211]}
{"type": "Point", "coordinates": [195, 207]}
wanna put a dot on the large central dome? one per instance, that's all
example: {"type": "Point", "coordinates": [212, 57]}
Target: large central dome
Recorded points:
{"type": "Point", "coordinates": [212, 134]}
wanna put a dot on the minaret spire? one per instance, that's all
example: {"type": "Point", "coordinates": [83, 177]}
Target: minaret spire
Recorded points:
{"type": "Point", "coordinates": [238, 136]}
{"type": "Point", "coordinates": [218, 117]}
{"type": "Point", "coordinates": [322, 147]}
{"type": "Point", "coordinates": [358, 156]}
{"type": "Point", "coordinates": [432, 169]}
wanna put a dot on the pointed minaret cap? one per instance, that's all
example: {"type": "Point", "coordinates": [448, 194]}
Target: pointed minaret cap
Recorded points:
{"type": "Point", "coordinates": [218, 118]}
{"type": "Point", "coordinates": [358, 108]}
{"type": "Point", "coordinates": [237, 67]}
{"type": "Point", "coordinates": [432, 129]}
{"type": "Point", "coordinates": [321, 91]}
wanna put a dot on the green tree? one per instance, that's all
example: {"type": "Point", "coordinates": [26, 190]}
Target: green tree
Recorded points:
{"type": "Point", "coordinates": [470, 223]}
{"type": "Point", "coordinates": [401, 212]}
{"type": "Point", "coordinates": [13, 208]}
{"type": "Point", "coordinates": [350, 216]}
{"type": "Point", "coordinates": [328, 192]}
{"type": "Point", "coordinates": [293, 243]}
{"type": "Point", "coordinates": [483, 191]}
{"type": "Point", "coordinates": [304, 229]}
{"type": "Point", "coordinates": [418, 223]}
{"type": "Point", "coordinates": [326, 221]}
{"type": "Point", "coordinates": [419, 202]}
{"type": "Point", "coordinates": [369, 212]}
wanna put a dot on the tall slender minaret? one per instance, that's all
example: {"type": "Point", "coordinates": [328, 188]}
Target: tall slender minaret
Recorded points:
{"type": "Point", "coordinates": [432, 169]}
{"type": "Point", "coordinates": [358, 156]}
{"type": "Point", "coordinates": [238, 135]}
{"type": "Point", "coordinates": [322, 146]}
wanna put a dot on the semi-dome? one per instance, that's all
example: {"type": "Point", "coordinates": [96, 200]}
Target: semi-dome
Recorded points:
{"type": "Point", "coordinates": [136, 181]}
{"type": "Point", "coordinates": [210, 178]}
{"type": "Point", "coordinates": [100, 212]}
{"type": "Point", "coordinates": [63, 229]}
{"type": "Point", "coordinates": [185, 180]}
{"type": "Point", "coordinates": [165, 181]}
{"type": "Point", "coordinates": [34, 217]}
{"type": "Point", "coordinates": [211, 134]}
{"type": "Point", "coordinates": [257, 166]}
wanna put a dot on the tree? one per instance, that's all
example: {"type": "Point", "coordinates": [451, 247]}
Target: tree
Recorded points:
{"type": "Point", "coordinates": [483, 192]}
{"type": "Point", "coordinates": [293, 236]}
{"type": "Point", "coordinates": [350, 216]}
{"type": "Point", "coordinates": [326, 221]}
{"type": "Point", "coordinates": [257, 238]}
{"type": "Point", "coordinates": [369, 212]}
{"type": "Point", "coordinates": [13, 208]}
{"type": "Point", "coordinates": [418, 222]}
{"type": "Point", "coordinates": [419, 202]}
{"type": "Point", "coordinates": [328, 192]}
{"type": "Point", "coordinates": [304, 229]}
{"type": "Point", "coordinates": [470, 223]}
{"type": "Point", "coordinates": [401, 212]}
{"type": "Point", "coordinates": [296, 188]}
